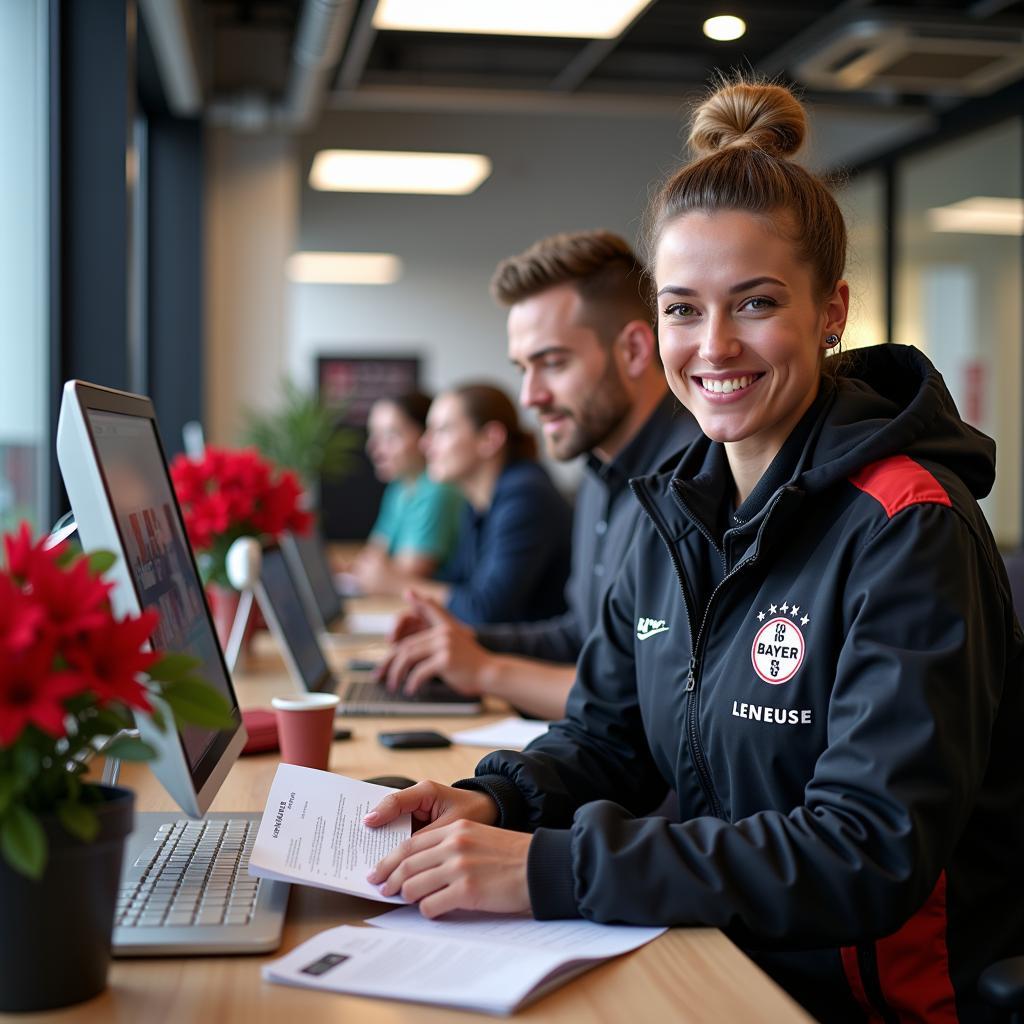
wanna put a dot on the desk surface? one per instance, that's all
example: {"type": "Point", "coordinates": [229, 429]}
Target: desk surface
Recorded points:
{"type": "Point", "coordinates": [687, 975]}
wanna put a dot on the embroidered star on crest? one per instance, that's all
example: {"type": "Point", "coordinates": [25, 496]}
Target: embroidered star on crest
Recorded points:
{"type": "Point", "coordinates": [760, 616]}
{"type": "Point", "coordinates": [794, 610]}
{"type": "Point", "coordinates": [772, 609]}
{"type": "Point", "coordinates": [804, 620]}
{"type": "Point", "coordinates": [785, 607]}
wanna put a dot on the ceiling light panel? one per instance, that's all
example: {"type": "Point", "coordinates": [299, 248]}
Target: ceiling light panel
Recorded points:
{"type": "Point", "coordinates": [979, 215]}
{"type": "Point", "coordinates": [364, 170]}
{"type": "Point", "coordinates": [580, 19]}
{"type": "Point", "coordinates": [344, 268]}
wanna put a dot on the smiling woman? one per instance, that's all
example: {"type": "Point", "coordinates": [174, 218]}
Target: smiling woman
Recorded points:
{"type": "Point", "coordinates": [836, 707]}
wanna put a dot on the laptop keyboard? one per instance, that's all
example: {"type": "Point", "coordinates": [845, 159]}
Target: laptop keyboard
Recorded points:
{"type": "Point", "coordinates": [193, 873]}
{"type": "Point", "coordinates": [434, 692]}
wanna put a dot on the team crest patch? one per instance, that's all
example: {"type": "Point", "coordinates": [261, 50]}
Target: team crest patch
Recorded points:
{"type": "Point", "coordinates": [778, 648]}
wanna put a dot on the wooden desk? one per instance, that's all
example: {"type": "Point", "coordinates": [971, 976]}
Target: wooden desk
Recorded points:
{"type": "Point", "coordinates": [688, 975]}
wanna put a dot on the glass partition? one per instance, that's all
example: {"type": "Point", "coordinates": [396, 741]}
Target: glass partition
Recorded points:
{"type": "Point", "coordinates": [23, 262]}
{"type": "Point", "coordinates": [958, 290]}
{"type": "Point", "coordinates": [863, 204]}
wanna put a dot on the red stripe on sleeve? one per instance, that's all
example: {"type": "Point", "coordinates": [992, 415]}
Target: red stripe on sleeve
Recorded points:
{"type": "Point", "coordinates": [851, 968]}
{"type": "Point", "coordinates": [913, 965]}
{"type": "Point", "coordinates": [899, 482]}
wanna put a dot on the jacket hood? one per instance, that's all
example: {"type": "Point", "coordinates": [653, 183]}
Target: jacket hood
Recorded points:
{"type": "Point", "coordinates": [890, 400]}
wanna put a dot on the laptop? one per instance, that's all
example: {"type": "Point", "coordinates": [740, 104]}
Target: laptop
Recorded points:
{"type": "Point", "coordinates": [307, 559]}
{"type": "Point", "coordinates": [359, 693]}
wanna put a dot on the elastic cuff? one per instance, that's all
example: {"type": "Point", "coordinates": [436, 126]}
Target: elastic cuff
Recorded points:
{"type": "Point", "coordinates": [549, 876]}
{"type": "Point", "coordinates": [512, 810]}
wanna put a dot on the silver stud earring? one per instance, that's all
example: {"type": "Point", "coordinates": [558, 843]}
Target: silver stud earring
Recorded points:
{"type": "Point", "coordinates": [832, 340]}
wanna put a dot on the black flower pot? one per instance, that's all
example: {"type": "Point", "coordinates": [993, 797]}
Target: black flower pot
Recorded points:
{"type": "Point", "coordinates": [55, 933]}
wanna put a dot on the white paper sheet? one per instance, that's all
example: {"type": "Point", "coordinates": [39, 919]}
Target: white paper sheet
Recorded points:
{"type": "Point", "coordinates": [431, 968]}
{"type": "Point", "coordinates": [508, 734]}
{"type": "Point", "coordinates": [312, 832]}
{"type": "Point", "coordinates": [371, 623]}
{"type": "Point", "coordinates": [580, 938]}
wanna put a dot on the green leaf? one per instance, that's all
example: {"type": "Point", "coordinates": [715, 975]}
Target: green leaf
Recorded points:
{"type": "Point", "coordinates": [127, 748]}
{"type": "Point", "coordinates": [173, 666]}
{"type": "Point", "coordinates": [194, 702]}
{"type": "Point", "coordinates": [101, 561]}
{"type": "Point", "coordinates": [8, 788]}
{"type": "Point", "coordinates": [26, 760]}
{"type": "Point", "coordinates": [23, 841]}
{"type": "Point", "coordinates": [78, 820]}
{"type": "Point", "coordinates": [158, 718]}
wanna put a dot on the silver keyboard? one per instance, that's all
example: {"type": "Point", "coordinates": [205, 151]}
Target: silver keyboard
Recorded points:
{"type": "Point", "coordinates": [188, 890]}
{"type": "Point", "coordinates": [198, 874]}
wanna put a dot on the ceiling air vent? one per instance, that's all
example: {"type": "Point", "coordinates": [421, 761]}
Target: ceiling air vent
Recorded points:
{"type": "Point", "coordinates": [893, 52]}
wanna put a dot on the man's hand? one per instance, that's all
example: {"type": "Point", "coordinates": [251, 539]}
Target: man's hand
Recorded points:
{"type": "Point", "coordinates": [446, 647]}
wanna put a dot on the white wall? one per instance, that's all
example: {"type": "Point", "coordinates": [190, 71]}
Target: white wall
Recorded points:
{"type": "Point", "coordinates": [251, 216]}
{"type": "Point", "coordinates": [552, 172]}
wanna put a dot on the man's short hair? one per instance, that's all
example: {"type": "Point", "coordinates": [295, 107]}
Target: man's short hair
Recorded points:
{"type": "Point", "coordinates": [600, 265]}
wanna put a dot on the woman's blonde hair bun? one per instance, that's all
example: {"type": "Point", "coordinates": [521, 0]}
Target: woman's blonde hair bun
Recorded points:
{"type": "Point", "coordinates": [755, 115]}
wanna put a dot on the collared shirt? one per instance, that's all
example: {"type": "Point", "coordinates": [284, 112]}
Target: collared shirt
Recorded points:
{"type": "Point", "coordinates": [604, 522]}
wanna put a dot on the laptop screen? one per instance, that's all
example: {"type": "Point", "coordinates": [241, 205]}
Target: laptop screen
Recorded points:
{"type": "Point", "coordinates": [295, 631]}
{"type": "Point", "coordinates": [314, 560]}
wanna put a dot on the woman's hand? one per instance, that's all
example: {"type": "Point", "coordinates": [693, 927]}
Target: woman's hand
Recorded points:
{"type": "Point", "coordinates": [432, 805]}
{"type": "Point", "coordinates": [463, 865]}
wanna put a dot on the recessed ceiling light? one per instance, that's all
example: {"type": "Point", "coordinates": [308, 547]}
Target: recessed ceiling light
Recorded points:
{"type": "Point", "coordinates": [980, 215]}
{"type": "Point", "coordinates": [724, 27]}
{"type": "Point", "coordinates": [365, 170]}
{"type": "Point", "coordinates": [582, 19]}
{"type": "Point", "coordinates": [344, 267]}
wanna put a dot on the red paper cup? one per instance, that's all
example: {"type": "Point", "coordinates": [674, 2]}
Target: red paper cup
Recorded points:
{"type": "Point", "coordinates": [305, 728]}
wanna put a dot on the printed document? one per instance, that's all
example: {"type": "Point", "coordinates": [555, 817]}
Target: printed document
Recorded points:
{"type": "Point", "coordinates": [312, 832]}
{"type": "Point", "coordinates": [491, 963]}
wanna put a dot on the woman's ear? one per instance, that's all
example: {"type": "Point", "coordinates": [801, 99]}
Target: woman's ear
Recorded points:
{"type": "Point", "coordinates": [837, 308]}
{"type": "Point", "coordinates": [491, 438]}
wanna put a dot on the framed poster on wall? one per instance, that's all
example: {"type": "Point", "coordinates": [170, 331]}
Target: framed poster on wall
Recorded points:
{"type": "Point", "coordinates": [350, 384]}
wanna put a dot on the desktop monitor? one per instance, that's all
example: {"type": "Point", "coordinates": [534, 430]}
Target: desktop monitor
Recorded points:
{"type": "Point", "coordinates": [115, 472]}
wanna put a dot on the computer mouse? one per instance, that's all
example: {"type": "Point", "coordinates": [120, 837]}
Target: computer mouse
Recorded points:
{"type": "Point", "coordinates": [392, 781]}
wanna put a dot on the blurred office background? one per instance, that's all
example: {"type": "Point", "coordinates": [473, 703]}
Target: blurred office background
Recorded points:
{"type": "Point", "coordinates": [157, 210]}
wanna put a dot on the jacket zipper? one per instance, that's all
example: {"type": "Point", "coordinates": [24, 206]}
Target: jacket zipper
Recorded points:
{"type": "Point", "coordinates": [692, 725]}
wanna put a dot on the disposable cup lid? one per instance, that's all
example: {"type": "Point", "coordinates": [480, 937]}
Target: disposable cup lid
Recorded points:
{"type": "Point", "coordinates": [306, 702]}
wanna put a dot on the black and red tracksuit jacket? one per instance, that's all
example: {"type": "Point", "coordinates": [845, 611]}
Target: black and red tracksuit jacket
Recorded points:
{"type": "Point", "coordinates": [830, 677]}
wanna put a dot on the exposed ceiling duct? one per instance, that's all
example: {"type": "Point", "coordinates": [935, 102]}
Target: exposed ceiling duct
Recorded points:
{"type": "Point", "coordinates": [320, 37]}
{"type": "Point", "coordinates": [172, 33]}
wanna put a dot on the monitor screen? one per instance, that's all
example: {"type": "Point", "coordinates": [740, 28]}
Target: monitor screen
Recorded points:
{"type": "Point", "coordinates": [156, 549]}
{"type": "Point", "coordinates": [314, 562]}
{"type": "Point", "coordinates": [289, 617]}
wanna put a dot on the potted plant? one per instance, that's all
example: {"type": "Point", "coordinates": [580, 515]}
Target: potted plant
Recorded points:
{"type": "Point", "coordinates": [230, 494]}
{"type": "Point", "coordinates": [303, 435]}
{"type": "Point", "coordinates": [71, 678]}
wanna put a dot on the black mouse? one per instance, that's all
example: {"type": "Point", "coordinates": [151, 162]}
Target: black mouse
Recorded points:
{"type": "Point", "coordinates": [392, 781]}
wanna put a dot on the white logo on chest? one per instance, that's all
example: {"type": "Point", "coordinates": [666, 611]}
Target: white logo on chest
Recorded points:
{"type": "Point", "coordinates": [778, 648]}
{"type": "Point", "coordinates": [646, 628]}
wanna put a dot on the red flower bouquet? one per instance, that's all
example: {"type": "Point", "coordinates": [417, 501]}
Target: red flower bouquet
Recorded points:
{"type": "Point", "coordinates": [71, 675]}
{"type": "Point", "coordinates": [231, 494]}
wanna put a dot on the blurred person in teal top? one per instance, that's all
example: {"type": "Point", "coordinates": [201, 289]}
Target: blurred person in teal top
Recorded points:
{"type": "Point", "coordinates": [418, 522]}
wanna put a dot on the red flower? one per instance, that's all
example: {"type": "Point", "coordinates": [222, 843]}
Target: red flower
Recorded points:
{"type": "Point", "coordinates": [110, 658]}
{"type": "Point", "coordinates": [229, 494]}
{"type": "Point", "coordinates": [25, 558]}
{"type": "Point", "coordinates": [33, 693]}
{"type": "Point", "coordinates": [21, 618]}
{"type": "Point", "coordinates": [74, 598]}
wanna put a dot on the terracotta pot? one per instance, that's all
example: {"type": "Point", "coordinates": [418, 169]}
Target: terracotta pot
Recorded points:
{"type": "Point", "coordinates": [55, 933]}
